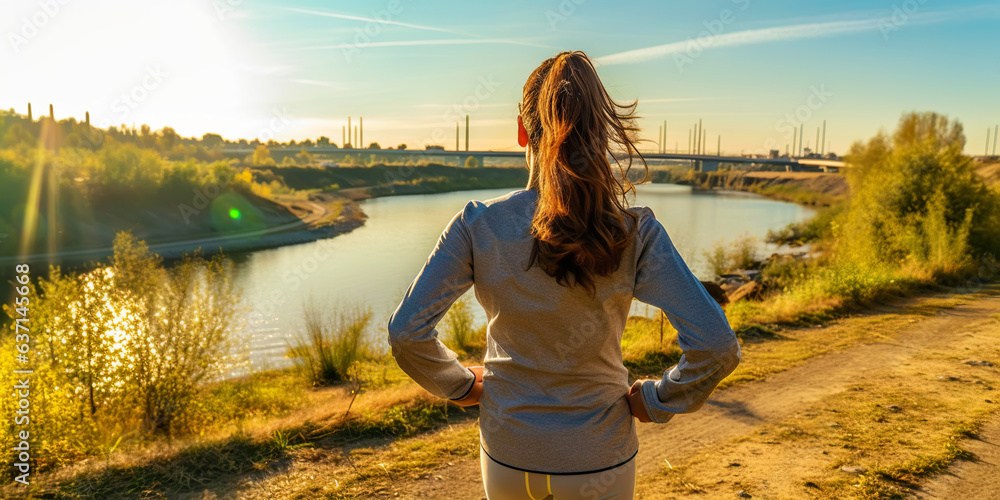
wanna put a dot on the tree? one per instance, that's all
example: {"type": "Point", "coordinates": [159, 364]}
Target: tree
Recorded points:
{"type": "Point", "coordinates": [401, 147]}
{"type": "Point", "coordinates": [210, 140]}
{"type": "Point", "coordinates": [167, 139]}
{"type": "Point", "coordinates": [471, 162]}
{"type": "Point", "coordinates": [323, 141]}
{"type": "Point", "coordinates": [17, 134]}
{"type": "Point", "coordinates": [303, 157]}
{"type": "Point", "coordinates": [262, 156]}
{"type": "Point", "coordinates": [374, 145]}
{"type": "Point", "coordinates": [916, 197]}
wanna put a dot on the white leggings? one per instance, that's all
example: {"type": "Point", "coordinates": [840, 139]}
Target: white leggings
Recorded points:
{"type": "Point", "coordinates": [505, 483]}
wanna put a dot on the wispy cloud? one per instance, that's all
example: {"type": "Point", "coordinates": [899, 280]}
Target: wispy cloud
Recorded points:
{"type": "Point", "coordinates": [683, 99]}
{"type": "Point", "coordinates": [413, 43]}
{"type": "Point", "coordinates": [370, 20]}
{"type": "Point", "coordinates": [317, 83]}
{"type": "Point", "coordinates": [787, 33]}
{"type": "Point", "coordinates": [482, 105]}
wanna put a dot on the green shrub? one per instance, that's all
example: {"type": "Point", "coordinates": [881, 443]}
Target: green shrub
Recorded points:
{"type": "Point", "coordinates": [917, 201]}
{"type": "Point", "coordinates": [460, 332]}
{"type": "Point", "coordinates": [332, 342]}
{"type": "Point", "coordinates": [740, 254]}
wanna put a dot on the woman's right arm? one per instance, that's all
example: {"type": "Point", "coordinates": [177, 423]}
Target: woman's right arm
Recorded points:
{"type": "Point", "coordinates": [710, 348]}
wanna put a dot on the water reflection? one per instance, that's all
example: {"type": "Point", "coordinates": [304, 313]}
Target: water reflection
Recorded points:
{"type": "Point", "coordinates": [375, 264]}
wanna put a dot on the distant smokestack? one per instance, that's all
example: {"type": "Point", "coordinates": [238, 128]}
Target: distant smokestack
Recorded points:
{"type": "Point", "coordinates": [87, 115]}
{"type": "Point", "coordinates": [718, 150]}
{"type": "Point", "coordinates": [801, 126]}
{"type": "Point", "coordinates": [356, 145]}
{"type": "Point", "coordinates": [995, 130]}
{"type": "Point", "coordinates": [350, 130]}
{"type": "Point", "coordinates": [457, 129]}
{"type": "Point", "coordinates": [361, 130]}
{"type": "Point", "coordinates": [659, 141]}
{"type": "Point", "coordinates": [701, 137]}
{"type": "Point", "coordinates": [689, 141]}
{"type": "Point", "coordinates": [466, 132]}
{"type": "Point", "coordinates": [52, 114]}
{"type": "Point", "coordinates": [824, 138]}
{"type": "Point", "coordinates": [30, 119]}
{"type": "Point", "coordinates": [343, 135]}
{"type": "Point", "coordinates": [794, 137]}
{"type": "Point", "coordinates": [664, 137]}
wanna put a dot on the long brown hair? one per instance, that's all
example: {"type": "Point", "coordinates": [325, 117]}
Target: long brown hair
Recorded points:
{"type": "Point", "coordinates": [581, 226]}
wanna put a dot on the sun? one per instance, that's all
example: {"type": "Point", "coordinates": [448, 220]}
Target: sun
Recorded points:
{"type": "Point", "coordinates": [179, 64]}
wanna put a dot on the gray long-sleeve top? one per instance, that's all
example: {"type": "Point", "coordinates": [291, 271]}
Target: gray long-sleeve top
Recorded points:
{"type": "Point", "coordinates": [554, 386]}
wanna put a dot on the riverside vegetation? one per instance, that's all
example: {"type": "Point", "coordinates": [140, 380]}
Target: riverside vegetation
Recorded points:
{"type": "Point", "coordinates": [90, 183]}
{"type": "Point", "coordinates": [166, 423]}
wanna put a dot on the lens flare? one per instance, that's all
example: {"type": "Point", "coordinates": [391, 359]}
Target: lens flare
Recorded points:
{"type": "Point", "coordinates": [234, 213]}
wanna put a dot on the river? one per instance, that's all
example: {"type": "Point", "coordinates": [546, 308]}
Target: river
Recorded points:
{"type": "Point", "coordinates": [374, 264]}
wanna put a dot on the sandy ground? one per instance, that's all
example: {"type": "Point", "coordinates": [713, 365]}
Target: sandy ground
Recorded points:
{"type": "Point", "coordinates": [743, 409]}
{"type": "Point", "coordinates": [978, 478]}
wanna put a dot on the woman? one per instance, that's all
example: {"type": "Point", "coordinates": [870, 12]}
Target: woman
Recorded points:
{"type": "Point", "coordinates": [556, 266]}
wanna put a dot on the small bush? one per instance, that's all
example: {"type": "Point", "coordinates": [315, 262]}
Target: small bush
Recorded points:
{"type": "Point", "coordinates": [331, 344]}
{"type": "Point", "coordinates": [644, 352]}
{"type": "Point", "coordinates": [741, 254]}
{"type": "Point", "coordinates": [460, 333]}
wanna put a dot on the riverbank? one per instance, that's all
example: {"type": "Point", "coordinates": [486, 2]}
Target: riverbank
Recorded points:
{"type": "Point", "coordinates": [359, 183]}
{"type": "Point", "coordinates": [798, 404]}
{"type": "Point", "coordinates": [816, 189]}
{"type": "Point", "coordinates": [319, 216]}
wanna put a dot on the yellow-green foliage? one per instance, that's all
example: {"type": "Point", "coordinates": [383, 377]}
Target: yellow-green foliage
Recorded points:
{"type": "Point", "coordinates": [916, 200]}
{"type": "Point", "coordinates": [741, 253]}
{"type": "Point", "coordinates": [332, 342]}
{"type": "Point", "coordinates": [460, 332]}
{"type": "Point", "coordinates": [645, 351]}
{"type": "Point", "coordinates": [262, 156]}
{"type": "Point", "coordinates": [122, 350]}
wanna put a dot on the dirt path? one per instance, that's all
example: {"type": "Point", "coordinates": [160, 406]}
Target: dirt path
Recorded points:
{"type": "Point", "coordinates": [978, 478]}
{"type": "Point", "coordinates": [740, 410]}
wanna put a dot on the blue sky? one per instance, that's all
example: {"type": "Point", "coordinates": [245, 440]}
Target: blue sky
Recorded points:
{"type": "Point", "coordinates": [749, 69]}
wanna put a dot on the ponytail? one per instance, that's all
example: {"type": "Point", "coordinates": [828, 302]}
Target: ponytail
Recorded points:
{"type": "Point", "coordinates": [581, 226]}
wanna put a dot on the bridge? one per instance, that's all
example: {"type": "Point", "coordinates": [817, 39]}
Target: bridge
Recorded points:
{"type": "Point", "coordinates": [703, 163]}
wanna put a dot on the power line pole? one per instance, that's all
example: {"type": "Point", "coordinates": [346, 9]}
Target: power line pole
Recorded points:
{"type": "Point", "coordinates": [701, 137]}
{"type": "Point", "coordinates": [824, 138]}
{"type": "Point", "coordinates": [801, 127]}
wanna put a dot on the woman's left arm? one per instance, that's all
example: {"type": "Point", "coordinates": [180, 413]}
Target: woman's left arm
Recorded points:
{"type": "Point", "coordinates": [413, 336]}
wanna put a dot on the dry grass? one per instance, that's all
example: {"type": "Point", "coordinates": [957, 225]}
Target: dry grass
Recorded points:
{"type": "Point", "coordinates": [892, 428]}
